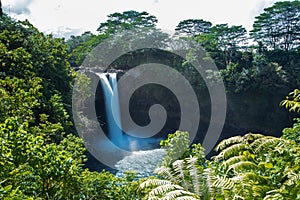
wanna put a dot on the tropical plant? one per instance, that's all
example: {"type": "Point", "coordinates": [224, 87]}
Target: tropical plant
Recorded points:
{"type": "Point", "coordinates": [256, 166]}
{"type": "Point", "coordinates": [278, 26]}
{"type": "Point", "coordinates": [186, 178]}
{"type": "Point", "coordinates": [292, 101]}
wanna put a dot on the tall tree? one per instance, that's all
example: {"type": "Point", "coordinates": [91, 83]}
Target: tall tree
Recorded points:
{"type": "Point", "coordinates": [225, 41]}
{"type": "Point", "coordinates": [126, 20]}
{"type": "Point", "coordinates": [193, 27]}
{"type": "Point", "coordinates": [278, 27]}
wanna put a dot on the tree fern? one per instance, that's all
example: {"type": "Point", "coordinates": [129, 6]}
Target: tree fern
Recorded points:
{"type": "Point", "coordinates": [233, 160]}
{"type": "Point", "coordinates": [152, 182]}
{"type": "Point", "coordinates": [224, 183]}
{"type": "Point", "coordinates": [228, 142]}
{"type": "Point", "coordinates": [179, 168]}
{"type": "Point", "coordinates": [164, 188]}
{"type": "Point", "coordinates": [183, 178]}
{"type": "Point", "coordinates": [166, 173]}
{"type": "Point", "coordinates": [186, 198]}
{"type": "Point", "coordinates": [233, 150]}
{"type": "Point", "coordinates": [243, 166]}
{"type": "Point", "coordinates": [178, 193]}
{"type": "Point", "coordinates": [267, 143]}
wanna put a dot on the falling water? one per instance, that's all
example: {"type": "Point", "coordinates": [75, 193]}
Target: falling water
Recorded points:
{"type": "Point", "coordinates": [143, 158]}
{"type": "Point", "coordinates": [109, 86]}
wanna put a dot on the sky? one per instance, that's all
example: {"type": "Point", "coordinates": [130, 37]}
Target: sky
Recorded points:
{"type": "Point", "coordinates": [63, 18]}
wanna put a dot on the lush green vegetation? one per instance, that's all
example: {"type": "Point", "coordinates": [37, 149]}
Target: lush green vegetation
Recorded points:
{"type": "Point", "coordinates": [42, 158]}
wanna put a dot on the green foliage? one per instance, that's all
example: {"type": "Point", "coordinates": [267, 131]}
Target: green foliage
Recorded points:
{"type": "Point", "coordinates": [34, 75]}
{"type": "Point", "coordinates": [80, 46]}
{"type": "Point", "coordinates": [193, 27]}
{"type": "Point", "coordinates": [75, 41]}
{"type": "Point", "coordinates": [229, 40]}
{"type": "Point", "coordinates": [104, 185]}
{"type": "Point", "coordinates": [184, 178]}
{"type": "Point", "coordinates": [181, 179]}
{"type": "Point", "coordinates": [36, 168]}
{"type": "Point", "coordinates": [263, 76]}
{"type": "Point", "coordinates": [255, 166]}
{"type": "Point", "coordinates": [127, 20]}
{"type": "Point", "coordinates": [176, 146]}
{"type": "Point", "coordinates": [278, 26]}
{"type": "Point", "coordinates": [41, 62]}
{"type": "Point", "coordinates": [292, 101]}
{"type": "Point", "coordinates": [293, 133]}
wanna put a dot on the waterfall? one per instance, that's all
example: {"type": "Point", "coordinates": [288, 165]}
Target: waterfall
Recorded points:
{"type": "Point", "coordinates": [109, 85]}
{"type": "Point", "coordinates": [143, 159]}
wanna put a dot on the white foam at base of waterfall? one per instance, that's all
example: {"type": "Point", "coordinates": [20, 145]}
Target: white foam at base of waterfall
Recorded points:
{"type": "Point", "coordinates": [143, 163]}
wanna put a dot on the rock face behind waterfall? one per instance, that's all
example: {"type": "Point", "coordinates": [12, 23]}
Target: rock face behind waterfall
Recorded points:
{"type": "Point", "coordinates": [245, 111]}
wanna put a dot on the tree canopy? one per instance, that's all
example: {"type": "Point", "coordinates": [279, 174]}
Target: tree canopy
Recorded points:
{"type": "Point", "coordinates": [193, 27]}
{"type": "Point", "coordinates": [126, 20]}
{"type": "Point", "coordinates": [278, 27]}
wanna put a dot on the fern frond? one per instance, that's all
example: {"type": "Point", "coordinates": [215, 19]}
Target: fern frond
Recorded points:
{"type": "Point", "coordinates": [233, 150]}
{"type": "Point", "coordinates": [162, 189]}
{"type": "Point", "coordinates": [268, 143]}
{"type": "Point", "coordinates": [292, 101]}
{"type": "Point", "coordinates": [154, 182]}
{"type": "Point", "coordinates": [260, 190]}
{"type": "Point", "coordinates": [187, 198]}
{"type": "Point", "coordinates": [178, 167]}
{"type": "Point", "coordinates": [153, 198]}
{"type": "Point", "coordinates": [210, 179]}
{"type": "Point", "coordinates": [253, 136]}
{"type": "Point", "coordinates": [243, 166]}
{"type": "Point", "coordinates": [233, 160]}
{"type": "Point", "coordinates": [224, 183]}
{"type": "Point", "coordinates": [166, 173]}
{"type": "Point", "coordinates": [293, 179]}
{"type": "Point", "coordinates": [250, 176]}
{"type": "Point", "coordinates": [275, 196]}
{"type": "Point", "coordinates": [260, 141]}
{"type": "Point", "coordinates": [176, 194]}
{"type": "Point", "coordinates": [194, 173]}
{"type": "Point", "coordinates": [227, 142]}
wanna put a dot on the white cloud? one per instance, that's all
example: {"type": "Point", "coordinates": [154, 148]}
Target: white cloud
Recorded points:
{"type": "Point", "coordinates": [59, 16]}
{"type": "Point", "coordinates": [17, 7]}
